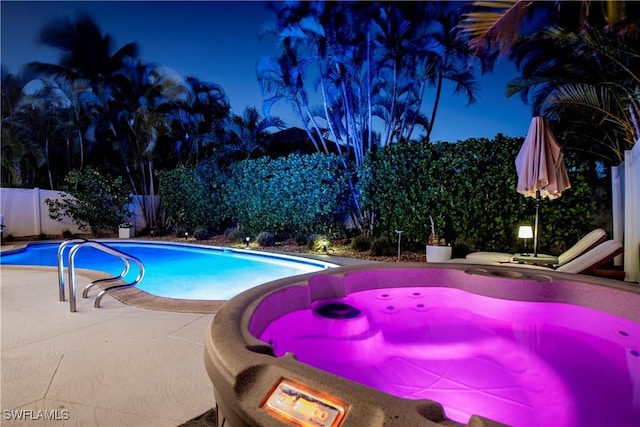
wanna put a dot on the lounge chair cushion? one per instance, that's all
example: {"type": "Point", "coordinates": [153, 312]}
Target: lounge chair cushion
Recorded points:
{"type": "Point", "coordinates": [472, 261]}
{"type": "Point", "coordinates": [489, 256]}
{"type": "Point", "coordinates": [583, 245]}
{"type": "Point", "coordinates": [593, 258]}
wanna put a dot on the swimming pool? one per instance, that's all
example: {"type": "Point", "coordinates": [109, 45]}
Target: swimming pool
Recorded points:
{"type": "Point", "coordinates": [175, 270]}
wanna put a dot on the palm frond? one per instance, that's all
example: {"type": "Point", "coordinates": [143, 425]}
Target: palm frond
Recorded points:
{"type": "Point", "coordinates": [607, 107]}
{"type": "Point", "coordinates": [494, 24]}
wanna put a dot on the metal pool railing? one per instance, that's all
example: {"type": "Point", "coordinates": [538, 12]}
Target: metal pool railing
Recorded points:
{"type": "Point", "coordinates": [79, 243]}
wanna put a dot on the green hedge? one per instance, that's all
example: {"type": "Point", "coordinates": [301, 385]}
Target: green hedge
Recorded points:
{"type": "Point", "coordinates": [469, 188]}
{"type": "Point", "coordinates": [296, 194]}
{"type": "Point", "coordinates": [192, 198]}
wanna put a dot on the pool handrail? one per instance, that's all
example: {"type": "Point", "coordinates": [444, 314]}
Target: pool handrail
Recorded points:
{"type": "Point", "coordinates": [61, 249]}
{"type": "Point", "coordinates": [102, 293]}
{"type": "Point", "coordinates": [126, 258]}
{"type": "Point", "coordinates": [125, 271]}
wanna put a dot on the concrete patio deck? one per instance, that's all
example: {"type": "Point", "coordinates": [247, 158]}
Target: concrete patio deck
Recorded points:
{"type": "Point", "coordinates": [119, 365]}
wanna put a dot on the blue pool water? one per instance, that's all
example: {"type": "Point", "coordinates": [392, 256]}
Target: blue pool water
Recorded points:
{"type": "Point", "coordinates": [177, 270]}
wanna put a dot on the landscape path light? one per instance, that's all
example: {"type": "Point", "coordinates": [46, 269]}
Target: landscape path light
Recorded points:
{"type": "Point", "coordinates": [399, 237]}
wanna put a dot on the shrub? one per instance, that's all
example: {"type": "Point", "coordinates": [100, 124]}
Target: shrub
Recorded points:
{"type": "Point", "coordinates": [266, 239]}
{"type": "Point", "coordinates": [179, 231]}
{"type": "Point", "coordinates": [301, 239]}
{"type": "Point", "coordinates": [282, 236]}
{"type": "Point", "coordinates": [201, 234]}
{"type": "Point", "coordinates": [94, 202]}
{"type": "Point", "coordinates": [235, 234]}
{"type": "Point", "coordinates": [312, 239]}
{"type": "Point", "coordinates": [382, 247]}
{"type": "Point", "coordinates": [361, 243]}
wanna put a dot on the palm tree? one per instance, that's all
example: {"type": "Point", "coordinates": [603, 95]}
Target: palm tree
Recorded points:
{"type": "Point", "coordinates": [282, 79]}
{"type": "Point", "coordinates": [249, 134]}
{"type": "Point", "coordinates": [197, 124]}
{"type": "Point", "coordinates": [143, 96]}
{"type": "Point", "coordinates": [77, 95]}
{"type": "Point", "coordinates": [49, 108]}
{"type": "Point", "coordinates": [87, 65]}
{"type": "Point", "coordinates": [451, 63]}
{"type": "Point", "coordinates": [365, 57]}
{"type": "Point", "coordinates": [498, 24]}
{"type": "Point", "coordinates": [318, 38]}
{"type": "Point", "coordinates": [395, 45]}
{"type": "Point", "coordinates": [581, 72]}
{"type": "Point", "coordinates": [85, 52]}
{"type": "Point", "coordinates": [596, 78]}
{"type": "Point", "coordinates": [32, 120]}
{"type": "Point", "coordinates": [495, 25]}
{"type": "Point", "coordinates": [21, 154]}
{"type": "Point", "coordinates": [615, 100]}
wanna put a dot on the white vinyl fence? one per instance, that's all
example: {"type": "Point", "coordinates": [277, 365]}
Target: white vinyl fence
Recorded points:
{"type": "Point", "coordinates": [626, 211]}
{"type": "Point", "coordinates": [25, 213]}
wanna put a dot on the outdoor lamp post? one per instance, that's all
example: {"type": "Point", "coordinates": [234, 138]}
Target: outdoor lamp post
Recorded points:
{"type": "Point", "coordinates": [246, 240]}
{"type": "Point", "coordinates": [525, 232]}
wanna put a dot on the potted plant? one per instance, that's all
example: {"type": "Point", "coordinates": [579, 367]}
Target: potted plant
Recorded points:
{"type": "Point", "coordinates": [126, 230]}
{"type": "Point", "coordinates": [437, 249]}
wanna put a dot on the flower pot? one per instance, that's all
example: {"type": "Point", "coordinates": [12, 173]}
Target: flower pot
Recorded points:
{"type": "Point", "coordinates": [126, 233]}
{"type": "Point", "coordinates": [438, 253]}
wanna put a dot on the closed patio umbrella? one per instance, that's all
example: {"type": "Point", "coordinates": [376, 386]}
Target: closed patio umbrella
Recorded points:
{"type": "Point", "coordinates": [541, 169]}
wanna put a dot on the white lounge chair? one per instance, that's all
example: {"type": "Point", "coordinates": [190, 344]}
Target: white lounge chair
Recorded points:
{"type": "Point", "coordinates": [593, 258]}
{"type": "Point", "coordinates": [583, 245]}
{"type": "Point", "coordinates": [586, 263]}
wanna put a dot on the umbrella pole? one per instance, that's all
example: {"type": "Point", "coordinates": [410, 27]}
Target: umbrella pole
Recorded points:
{"type": "Point", "coordinates": [535, 230]}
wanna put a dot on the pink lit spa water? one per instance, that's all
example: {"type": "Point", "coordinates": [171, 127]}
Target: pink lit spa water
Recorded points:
{"type": "Point", "coordinates": [521, 363]}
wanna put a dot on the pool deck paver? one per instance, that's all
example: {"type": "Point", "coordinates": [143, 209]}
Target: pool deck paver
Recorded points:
{"type": "Point", "coordinates": [118, 365]}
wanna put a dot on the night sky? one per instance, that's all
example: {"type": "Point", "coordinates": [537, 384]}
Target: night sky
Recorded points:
{"type": "Point", "coordinates": [219, 41]}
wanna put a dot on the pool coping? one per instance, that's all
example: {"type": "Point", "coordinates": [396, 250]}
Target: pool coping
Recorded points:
{"type": "Point", "coordinates": [135, 297]}
{"type": "Point", "coordinates": [138, 298]}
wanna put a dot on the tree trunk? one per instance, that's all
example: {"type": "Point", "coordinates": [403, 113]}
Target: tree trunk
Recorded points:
{"type": "Point", "coordinates": [435, 106]}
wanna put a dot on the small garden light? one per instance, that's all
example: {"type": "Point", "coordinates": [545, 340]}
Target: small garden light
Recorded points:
{"type": "Point", "coordinates": [186, 235]}
{"type": "Point", "coordinates": [247, 239]}
{"type": "Point", "coordinates": [399, 236]}
{"type": "Point", "coordinates": [324, 245]}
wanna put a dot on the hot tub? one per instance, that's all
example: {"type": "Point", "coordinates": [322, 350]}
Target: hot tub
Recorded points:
{"type": "Point", "coordinates": [409, 344]}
